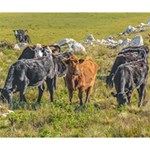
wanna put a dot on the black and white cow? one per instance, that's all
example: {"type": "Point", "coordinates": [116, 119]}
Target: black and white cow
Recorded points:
{"type": "Point", "coordinates": [32, 72]}
{"type": "Point", "coordinates": [19, 34]}
{"type": "Point", "coordinates": [130, 76]}
{"type": "Point", "coordinates": [21, 37]}
{"type": "Point", "coordinates": [127, 55]}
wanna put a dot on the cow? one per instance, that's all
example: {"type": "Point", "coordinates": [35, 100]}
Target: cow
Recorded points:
{"type": "Point", "coordinates": [80, 76]}
{"type": "Point", "coordinates": [130, 76]}
{"type": "Point", "coordinates": [38, 50]}
{"type": "Point", "coordinates": [127, 55]}
{"type": "Point", "coordinates": [19, 34]}
{"type": "Point", "coordinates": [32, 72]}
{"type": "Point", "coordinates": [21, 37]}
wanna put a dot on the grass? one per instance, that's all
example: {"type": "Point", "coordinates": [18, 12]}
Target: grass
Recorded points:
{"type": "Point", "coordinates": [99, 118]}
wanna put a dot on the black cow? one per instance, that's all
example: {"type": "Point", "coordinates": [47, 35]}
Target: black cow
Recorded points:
{"type": "Point", "coordinates": [128, 77]}
{"type": "Point", "coordinates": [127, 55]}
{"type": "Point", "coordinates": [19, 34]}
{"type": "Point", "coordinates": [32, 72]}
{"type": "Point", "coordinates": [30, 53]}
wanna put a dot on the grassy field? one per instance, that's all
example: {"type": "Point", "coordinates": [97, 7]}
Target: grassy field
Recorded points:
{"type": "Point", "coordinates": [101, 117]}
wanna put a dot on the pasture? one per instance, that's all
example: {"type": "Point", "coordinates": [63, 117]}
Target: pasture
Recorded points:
{"type": "Point", "coordinates": [99, 118]}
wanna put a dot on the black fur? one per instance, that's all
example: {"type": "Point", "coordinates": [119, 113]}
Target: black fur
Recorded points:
{"type": "Point", "coordinates": [32, 72]}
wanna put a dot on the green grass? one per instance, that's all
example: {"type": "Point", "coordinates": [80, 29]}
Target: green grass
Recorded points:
{"type": "Point", "coordinates": [99, 118]}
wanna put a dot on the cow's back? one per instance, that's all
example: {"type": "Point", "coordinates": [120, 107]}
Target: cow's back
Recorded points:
{"type": "Point", "coordinates": [88, 71]}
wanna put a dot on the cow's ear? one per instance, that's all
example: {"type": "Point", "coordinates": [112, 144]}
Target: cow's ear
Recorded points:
{"type": "Point", "coordinates": [113, 94]}
{"type": "Point", "coordinates": [81, 61]}
{"type": "Point", "coordinates": [26, 30]}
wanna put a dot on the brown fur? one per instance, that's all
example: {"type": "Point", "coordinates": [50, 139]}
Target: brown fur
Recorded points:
{"type": "Point", "coordinates": [81, 76]}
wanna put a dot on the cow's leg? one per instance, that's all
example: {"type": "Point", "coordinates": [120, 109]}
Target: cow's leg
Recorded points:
{"type": "Point", "coordinates": [88, 93]}
{"type": "Point", "coordinates": [70, 95]}
{"type": "Point", "coordinates": [64, 80]}
{"type": "Point", "coordinates": [129, 97]}
{"type": "Point", "coordinates": [41, 90]}
{"type": "Point", "coordinates": [141, 92]}
{"type": "Point", "coordinates": [55, 82]}
{"type": "Point", "coordinates": [23, 87]}
{"type": "Point", "coordinates": [50, 85]}
{"type": "Point", "coordinates": [80, 96]}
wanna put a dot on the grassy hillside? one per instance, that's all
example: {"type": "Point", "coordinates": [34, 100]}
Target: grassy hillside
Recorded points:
{"type": "Point", "coordinates": [51, 27]}
{"type": "Point", "coordinates": [101, 117]}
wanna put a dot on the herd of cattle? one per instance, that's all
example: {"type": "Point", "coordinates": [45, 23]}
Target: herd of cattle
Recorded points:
{"type": "Point", "coordinates": [39, 64]}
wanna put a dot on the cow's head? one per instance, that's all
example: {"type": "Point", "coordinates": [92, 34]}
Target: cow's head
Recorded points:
{"type": "Point", "coordinates": [47, 51]}
{"type": "Point", "coordinates": [38, 50]}
{"type": "Point", "coordinates": [121, 98]}
{"type": "Point", "coordinates": [74, 65]}
{"type": "Point", "coordinates": [6, 95]}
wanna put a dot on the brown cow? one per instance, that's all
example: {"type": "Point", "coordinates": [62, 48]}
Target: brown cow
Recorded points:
{"type": "Point", "coordinates": [80, 76]}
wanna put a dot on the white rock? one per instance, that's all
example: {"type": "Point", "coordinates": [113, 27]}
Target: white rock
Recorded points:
{"type": "Point", "coordinates": [76, 47]}
{"type": "Point", "coordinates": [4, 115]}
{"type": "Point", "coordinates": [20, 46]}
{"type": "Point", "coordinates": [120, 42]}
{"type": "Point", "coordinates": [126, 42]}
{"type": "Point", "coordinates": [137, 41]}
{"type": "Point", "coordinates": [104, 42]}
{"type": "Point", "coordinates": [142, 24]}
{"type": "Point", "coordinates": [110, 38]}
{"type": "Point", "coordinates": [66, 41]}
{"type": "Point", "coordinates": [130, 29]}
{"type": "Point", "coordinates": [10, 111]}
{"type": "Point", "coordinates": [17, 47]}
{"type": "Point", "coordinates": [148, 22]}
{"type": "Point", "coordinates": [98, 41]}
{"type": "Point", "coordinates": [90, 38]}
